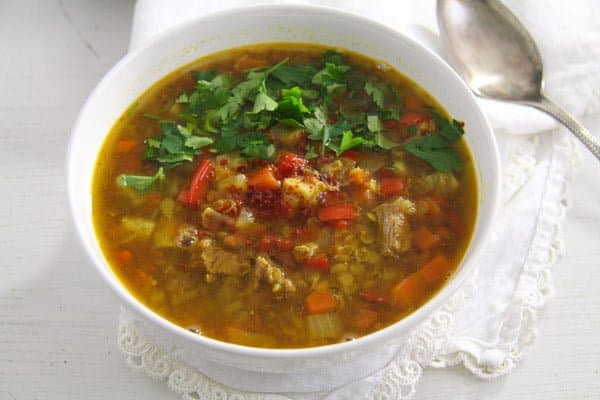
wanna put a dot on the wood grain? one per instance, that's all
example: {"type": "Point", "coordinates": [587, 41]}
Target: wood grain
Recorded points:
{"type": "Point", "coordinates": [57, 319]}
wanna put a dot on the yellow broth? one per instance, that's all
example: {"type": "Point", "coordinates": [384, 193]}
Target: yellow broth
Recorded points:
{"type": "Point", "coordinates": [225, 267]}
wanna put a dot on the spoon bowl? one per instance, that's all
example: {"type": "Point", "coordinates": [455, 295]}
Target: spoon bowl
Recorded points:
{"type": "Point", "coordinates": [498, 58]}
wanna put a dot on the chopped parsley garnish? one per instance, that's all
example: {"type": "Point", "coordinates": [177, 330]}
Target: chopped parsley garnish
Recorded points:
{"type": "Point", "coordinates": [436, 149]}
{"type": "Point", "coordinates": [142, 183]}
{"type": "Point", "coordinates": [335, 104]}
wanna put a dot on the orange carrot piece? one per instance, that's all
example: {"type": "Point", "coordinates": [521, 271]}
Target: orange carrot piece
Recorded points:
{"type": "Point", "coordinates": [125, 146]}
{"type": "Point", "coordinates": [364, 319]}
{"type": "Point", "coordinates": [319, 302]}
{"type": "Point", "coordinates": [435, 269]}
{"type": "Point", "coordinates": [123, 256]}
{"type": "Point", "coordinates": [334, 213]}
{"type": "Point", "coordinates": [409, 292]}
{"type": "Point", "coordinates": [424, 239]}
{"type": "Point", "coordinates": [392, 186]}
{"type": "Point", "coordinates": [263, 179]}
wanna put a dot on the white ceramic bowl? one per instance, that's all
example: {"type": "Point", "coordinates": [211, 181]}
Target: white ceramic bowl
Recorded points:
{"type": "Point", "coordinates": [254, 368]}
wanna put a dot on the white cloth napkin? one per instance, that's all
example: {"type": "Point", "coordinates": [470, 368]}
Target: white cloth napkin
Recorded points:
{"type": "Point", "coordinates": [489, 323]}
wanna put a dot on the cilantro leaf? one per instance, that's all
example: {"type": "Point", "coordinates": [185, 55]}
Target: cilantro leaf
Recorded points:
{"type": "Point", "coordinates": [141, 183]}
{"type": "Point", "coordinates": [331, 74]}
{"type": "Point", "coordinates": [255, 146]}
{"type": "Point", "coordinates": [300, 75]}
{"type": "Point", "coordinates": [197, 142]}
{"type": "Point", "coordinates": [315, 126]}
{"type": "Point", "coordinates": [171, 147]}
{"type": "Point", "coordinates": [182, 99]}
{"type": "Point", "coordinates": [310, 152]}
{"type": "Point", "coordinates": [263, 102]}
{"type": "Point", "coordinates": [291, 106]}
{"type": "Point", "coordinates": [436, 151]}
{"type": "Point", "coordinates": [450, 130]}
{"type": "Point", "coordinates": [255, 80]}
{"type": "Point", "coordinates": [349, 141]}
{"type": "Point", "coordinates": [377, 92]}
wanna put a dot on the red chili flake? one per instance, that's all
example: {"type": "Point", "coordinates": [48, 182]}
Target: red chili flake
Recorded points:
{"type": "Point", "coordinates": [224, 161]}
{"type": "Point", "coordinates": [267, 203]}
{"type": "Point", "coordinates": [185, 267]}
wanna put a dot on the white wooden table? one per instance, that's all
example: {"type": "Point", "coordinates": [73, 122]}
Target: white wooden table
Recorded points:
{"type": "Point", "coordinates": [58, 320]}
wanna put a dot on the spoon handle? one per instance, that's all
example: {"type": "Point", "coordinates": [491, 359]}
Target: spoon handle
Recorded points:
{"type": "Point", "coordinates": [591, 142]}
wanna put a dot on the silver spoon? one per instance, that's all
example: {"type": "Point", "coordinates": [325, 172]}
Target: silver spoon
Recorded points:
{"type": "Point", "coordinates": [498, 59]}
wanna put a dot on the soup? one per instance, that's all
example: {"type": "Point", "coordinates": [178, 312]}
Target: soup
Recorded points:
{"type": "Point", "coordinates": [284, 196]}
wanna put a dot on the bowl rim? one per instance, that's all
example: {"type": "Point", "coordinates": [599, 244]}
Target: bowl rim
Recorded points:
{"type": "Point", "coordinates": [378, 337]}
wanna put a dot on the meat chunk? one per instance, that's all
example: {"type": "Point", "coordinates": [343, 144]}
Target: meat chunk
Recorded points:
{"type": "Point", "coordinates": [266, 270]}
{"type": "Point", "coordinates": [218, 261]}
{"type": "Point", "coordinates": [215, 221]}
{"type": "Point", "coordinates": [304, 251]}
{"type": "Point", "coordinates": [394, 228]}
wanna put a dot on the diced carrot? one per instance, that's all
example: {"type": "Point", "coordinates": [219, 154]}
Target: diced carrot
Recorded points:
{"type": "Point", "coordinates": [124, 256]}
{"type": "Point", "coordinates": [358, 177]}
{"type": "Point", "coordinates": [334, 198]}
{"type": "Point", "coordinates": [409, 292]}
{"type": "Point", "coordinates": [318, 262]}
{"type": "Point", "coordinates": [455, 222]}
{"type": "Point", "coordinates": [372, 295]}
{"type": "Point", "coordinates": [263, 179]}
{"type": "Point", "coordinates": [413, 118]}
{"type": "Point", "coordinates": [435, 269]}
{"type": "Point", "coordinates": [125, 146]}
{"type": "Point", "coordinates": [333, 213]}
{"type": "Point", "coordinates": [412, 103]}
{"type": "Point", "coordinates": [364, 319]}
{"type": "Point", "coordinates": [318, 302]}
{"type": "Point", "coordinates": [424, 239]}
{"type": "Point", "coordinates": [392, 186]}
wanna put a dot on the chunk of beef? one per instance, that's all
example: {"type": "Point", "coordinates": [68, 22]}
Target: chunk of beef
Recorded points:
{"type": "Point", "coordinates": [394, 229]}
{"type": "Point", "coordinates": [266, 270]}
{"type": "Point", "coordinates": [218, 261]}
{"type": "Point", "coordinates": [215, 221]}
